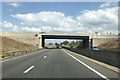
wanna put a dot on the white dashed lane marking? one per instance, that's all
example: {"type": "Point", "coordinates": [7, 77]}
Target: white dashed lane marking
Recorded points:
{"type": "Point", "coordinates": [26, 71]}
{"type": "Point", "coordinates": [45, 57]}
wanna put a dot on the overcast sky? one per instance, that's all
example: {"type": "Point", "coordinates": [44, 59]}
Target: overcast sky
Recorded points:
{"type": "Point", "coordinates": [60, 17]}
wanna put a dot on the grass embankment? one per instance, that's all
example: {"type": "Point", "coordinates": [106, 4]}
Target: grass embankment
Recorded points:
{"type": "Point", "coordinates": [113, 45]}
{"type": "Point", "coordinates": [8, 45]}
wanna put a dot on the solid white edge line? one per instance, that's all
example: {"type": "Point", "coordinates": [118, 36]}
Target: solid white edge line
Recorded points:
{"type": "Point", "coordinates": [45, 56]}
{"type": "Point", "coordinates": [98, 73]}
{"type": "Point", "coordinates": [26, 71]}
{"type": "Point", "coordinates": [21, 56]}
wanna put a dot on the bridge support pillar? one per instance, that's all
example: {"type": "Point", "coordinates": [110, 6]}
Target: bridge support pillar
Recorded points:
{"type": "Point", "coordinates": [91, 42]}
{"type": "Point", "coordinates": [43, 43]}
{"type": "Point", "coordinates": [86, 43]}
{"type": "Point", "coordinates": [40, 41]}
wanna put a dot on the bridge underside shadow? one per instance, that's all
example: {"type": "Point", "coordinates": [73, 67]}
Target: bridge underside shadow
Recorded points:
{"type": "Point", "coordinates": [85, 39]}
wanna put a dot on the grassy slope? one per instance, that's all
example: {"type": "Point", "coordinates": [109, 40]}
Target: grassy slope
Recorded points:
{"type": "Point", "coordinates": [11, 45]}
{"type": "Point", "coordinates": [111, 45]}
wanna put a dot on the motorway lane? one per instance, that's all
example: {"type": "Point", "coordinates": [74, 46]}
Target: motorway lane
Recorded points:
{"type": "Point", "coordinates": [60, 65]}
{"type": "Point", "coordinates": [53, 63]}
{"type": "Point", "coordinates": [14, 68]}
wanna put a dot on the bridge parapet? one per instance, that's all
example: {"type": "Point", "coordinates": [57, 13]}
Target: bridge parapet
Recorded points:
{"type": "Point", "coordinates": [96, 39]}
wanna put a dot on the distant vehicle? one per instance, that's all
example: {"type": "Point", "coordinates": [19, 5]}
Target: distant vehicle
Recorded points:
{"type": "Point", "coordinates": [95, 48]}
{"type": "Point", "coordinates": [67, 46]}
{"type": "Point", "coordinates": [57, 46]}
{"type": "Point", "coordinates": [45, 47]}
{"type": "Point", "coordinates": [50, 47]}
{"type": "Point", "coordinates": [60, 47]}
{"type": "Point", "coordinates": [71, 46]}
{"type": "Point", "coordinates": [74, 47]}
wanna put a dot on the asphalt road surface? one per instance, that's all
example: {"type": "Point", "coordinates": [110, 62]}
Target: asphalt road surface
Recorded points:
{"type": "Point", "coordinates": [54, 63]}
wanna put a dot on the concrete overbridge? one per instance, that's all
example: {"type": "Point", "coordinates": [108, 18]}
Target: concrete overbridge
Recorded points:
{"type": "Point", "coordinates": [87, 39]}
